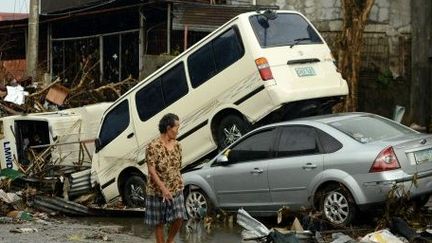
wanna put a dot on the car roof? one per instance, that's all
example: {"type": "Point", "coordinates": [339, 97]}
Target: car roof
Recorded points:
{"type": "Point", "coordinates": [320, 119]}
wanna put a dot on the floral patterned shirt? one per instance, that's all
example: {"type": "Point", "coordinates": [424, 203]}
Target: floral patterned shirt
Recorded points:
{"type": "Point", "coordinates": [167, 164]}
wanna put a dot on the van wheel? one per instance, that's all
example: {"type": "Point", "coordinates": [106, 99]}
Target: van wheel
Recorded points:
{"type": "Point", "coordinates": [197, 204]}
{"type": "Point", "coordinates": [230, 129]}
{"type": "Point", "coordinates": [337, 205]}
{"type": "Point", "coordinates": [134, 192]}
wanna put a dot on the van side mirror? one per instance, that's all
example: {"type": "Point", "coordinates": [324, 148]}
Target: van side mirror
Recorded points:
{"type": "Point", "coordinates": [97, 145]}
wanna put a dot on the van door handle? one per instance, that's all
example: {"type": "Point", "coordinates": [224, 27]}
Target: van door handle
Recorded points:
{"type": "Point", "coordinates": [257, 171]}
{"type": "Point", "coordinates": [309, 166]}
{"type": "Point", "coordinates": [130, 135]}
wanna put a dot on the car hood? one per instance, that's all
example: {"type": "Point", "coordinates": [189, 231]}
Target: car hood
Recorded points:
{"type": "Point", "coordinates": [192, 168]}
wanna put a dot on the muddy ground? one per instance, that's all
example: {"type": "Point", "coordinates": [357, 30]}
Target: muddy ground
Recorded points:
{"type": "Point", "coordinates": [44, 228]}
{"type": "Point", "coordinates": [64, 230]}
{"type": "Point", "coordinates": [107, 229]}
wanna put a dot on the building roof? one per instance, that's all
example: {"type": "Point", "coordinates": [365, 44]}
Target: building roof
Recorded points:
{"type": "Point", "coordinates": [12, 16]}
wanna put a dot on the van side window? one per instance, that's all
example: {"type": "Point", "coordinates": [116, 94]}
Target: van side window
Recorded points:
{"type": "Point", "coordinates": [174, 84]}
{"type": "Point", "coordinates": [201, 65]}
{"type": "Point", "coordinates": [161, 92]}
{"type": "Point", "coordinates": [149, 100]}
{"type": "Point", "coordinates": [115, 122]}
{"type": "Point", "coordinates": [227, 49]}
{"type": "Point", "coordinates": [214, 57]}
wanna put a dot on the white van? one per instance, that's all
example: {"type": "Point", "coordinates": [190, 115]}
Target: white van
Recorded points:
{"type": "Point", "coordinates": [257, 68]}
{"type": "Point", "coordinates": [63, 138]}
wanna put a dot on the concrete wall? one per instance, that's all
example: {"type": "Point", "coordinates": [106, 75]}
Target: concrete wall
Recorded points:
{"type": "Point", "coordinates": [389, 29]}
{"type": "Point", "coordinates": [153, 62]}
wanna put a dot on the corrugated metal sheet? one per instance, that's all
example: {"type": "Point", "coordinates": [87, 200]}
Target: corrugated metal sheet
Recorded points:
{"type": "Point", "coordinates": [12, 16]}
{"type": "Point", "coordinates": [206, 17]}
{"type": "Point", "coordinates": [50, 6]}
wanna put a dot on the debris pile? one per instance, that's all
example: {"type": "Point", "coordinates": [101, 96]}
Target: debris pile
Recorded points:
{"type": "Point", "coordinates": [26, 96]}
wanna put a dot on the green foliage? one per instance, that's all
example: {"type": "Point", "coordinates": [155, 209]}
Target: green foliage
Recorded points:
{"type": "Point", "coordinates": [385, 78]}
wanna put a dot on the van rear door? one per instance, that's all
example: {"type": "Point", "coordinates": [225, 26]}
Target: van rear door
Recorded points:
{"type": "Point", "coordinates": [299, 58]}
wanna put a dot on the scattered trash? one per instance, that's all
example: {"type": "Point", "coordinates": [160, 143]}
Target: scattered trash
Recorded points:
{"type": "Point", "coordinates": [98, 236]}
{"type": "Point", "coordinates": [9, 197]}
{"type": "Point", "coordinates": [400, 227]}
{"type": "Point", "coordinates": [255, 228]}
{"type": "Point", "coordinates": [23, 215]}
{"type": "Point", "coordinates": [10, 173]}
{"type": "Point", "coordinates": [15, 94]}
{"type": "Point", "coordinates": [382, 236]}
{"type": "Point", "coordinates": [23, 230]}
{"type": "Point", "coordinates": [342, 238]}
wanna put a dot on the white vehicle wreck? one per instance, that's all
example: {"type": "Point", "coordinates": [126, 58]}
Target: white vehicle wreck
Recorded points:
{"type": "Point", "coordinates": [56, 139]}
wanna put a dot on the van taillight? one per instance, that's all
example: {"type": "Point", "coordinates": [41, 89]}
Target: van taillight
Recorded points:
{"type": "Point", "coordinates": [386, 160]}
{"type": "Point", "coordinates": [264, 68]}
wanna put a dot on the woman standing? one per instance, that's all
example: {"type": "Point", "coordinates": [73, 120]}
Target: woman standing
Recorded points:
{"type": "Point", "coordinates": [164, 201]}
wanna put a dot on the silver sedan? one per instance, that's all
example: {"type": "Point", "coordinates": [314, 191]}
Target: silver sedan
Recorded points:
{"type": "Point", "coordinates": [339, 164]}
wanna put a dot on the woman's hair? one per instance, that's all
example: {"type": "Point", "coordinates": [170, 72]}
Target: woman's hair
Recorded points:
{"type": "Point", "coordinates": [167, 120]}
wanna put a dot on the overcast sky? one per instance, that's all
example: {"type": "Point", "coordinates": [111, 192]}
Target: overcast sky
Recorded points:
{"type": "Point", "coordinates": [14, 6]}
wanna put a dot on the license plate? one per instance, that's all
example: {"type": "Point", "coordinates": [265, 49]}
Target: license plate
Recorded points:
{"type": "Point", "coordinates": [305, 71]}
{"type": "Point", "coordinates": [423, 156]}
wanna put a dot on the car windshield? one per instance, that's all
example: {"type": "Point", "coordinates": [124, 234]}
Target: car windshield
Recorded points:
{"type": "Point", "coordinates": [287, 29]}
{"type": "Point", "coordinates": [366, 129]}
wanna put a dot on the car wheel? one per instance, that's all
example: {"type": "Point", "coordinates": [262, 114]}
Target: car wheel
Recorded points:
{"type": "Point", "coordinates": [197, 204]}
{"type": "Point", "coordinates": [134, 192]}
{"type": "Point", "coordinates": [337, 205]}
{"type": "Point", "coordinates": [230, 129]}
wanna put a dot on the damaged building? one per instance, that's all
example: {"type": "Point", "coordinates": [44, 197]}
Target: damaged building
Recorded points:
{"type": "Point", "coordinates": [112, 40]}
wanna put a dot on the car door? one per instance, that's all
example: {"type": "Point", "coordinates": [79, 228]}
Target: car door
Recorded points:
{"type": "Point", "coordinates": [117, 143]}
{"type": "Point", "coordinates": [243, 182]}
{"type": "Point", "coordinates": [297, 162]}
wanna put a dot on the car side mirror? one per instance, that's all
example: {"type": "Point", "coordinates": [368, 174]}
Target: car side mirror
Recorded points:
{"type": "Point", "coordinates": [97, 145]}
{"type": "Point", "coordinates": [222, 159]}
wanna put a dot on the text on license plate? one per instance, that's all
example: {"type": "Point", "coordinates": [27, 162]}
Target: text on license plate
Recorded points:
{"type": "Point", "coordinates": [305, 71]}
{"type": "Point", "coordinates": [423, 156]}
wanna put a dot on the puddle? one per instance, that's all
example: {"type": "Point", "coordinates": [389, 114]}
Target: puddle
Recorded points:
{"type": "Point", "coordinates": [191, 232]}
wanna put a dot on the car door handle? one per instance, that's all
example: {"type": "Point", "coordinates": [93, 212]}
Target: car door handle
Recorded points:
{"type": "Point", "coordinates": [130, 135]}
{"type": "Point", "coordinates": [309, 166]}
{"type": "Point", "coordinates": [257, 171]}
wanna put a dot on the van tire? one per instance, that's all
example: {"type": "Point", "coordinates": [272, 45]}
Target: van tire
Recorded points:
{"type": "Point", "coordinates": [230, 129]}
{"type": "Point", "coordinates": [134, 192]}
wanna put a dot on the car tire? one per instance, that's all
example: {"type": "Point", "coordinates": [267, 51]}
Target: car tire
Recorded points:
{"type": "Point", "coordinates": [197, 204]}
{"type": "Point", "coordinates": [230, 129]}
{"type": "Point", "coordinates": [134, 191]}
{"type": "Point", "coordinates": [337, 205]}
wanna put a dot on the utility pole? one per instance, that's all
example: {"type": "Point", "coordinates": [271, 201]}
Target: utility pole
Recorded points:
{"type": "Point", "coordinates": [33, 39]}
{"type": "Point", "coordinates": [420, 107]}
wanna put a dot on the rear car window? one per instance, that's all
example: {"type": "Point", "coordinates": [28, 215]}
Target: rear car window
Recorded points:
{"type": "Point", "coordinates": [286, 29]}
{"type": "Point", "coordinates": [366, 129]}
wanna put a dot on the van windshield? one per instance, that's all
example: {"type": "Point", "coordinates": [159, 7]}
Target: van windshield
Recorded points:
{"type": "Point", "coordinates": [287, 29]}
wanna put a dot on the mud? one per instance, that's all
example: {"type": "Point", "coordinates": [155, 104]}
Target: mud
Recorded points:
{"type": "Point", "coordinates": [109, 230]}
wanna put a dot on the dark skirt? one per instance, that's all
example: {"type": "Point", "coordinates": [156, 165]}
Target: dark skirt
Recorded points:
{"type": "Point", "coordinates": [158, 212]}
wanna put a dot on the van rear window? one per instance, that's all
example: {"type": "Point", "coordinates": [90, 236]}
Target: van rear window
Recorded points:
{"type": "Point", "coordinates": [285, 30]}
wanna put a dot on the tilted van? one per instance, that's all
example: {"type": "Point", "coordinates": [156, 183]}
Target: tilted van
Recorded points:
{"type": "Point", "coordinates": [259, 67]}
